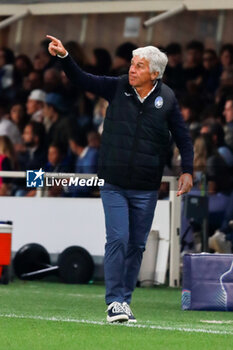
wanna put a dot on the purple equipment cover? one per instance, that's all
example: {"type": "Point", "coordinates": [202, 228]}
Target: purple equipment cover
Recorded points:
{"type": "Point", "coordinates": [207, 282]}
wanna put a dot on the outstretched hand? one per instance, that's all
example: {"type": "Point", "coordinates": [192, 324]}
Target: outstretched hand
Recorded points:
{"type": "Point", "coordinates": [56, 47]}
{"type": "Point", "coordinates": [185, 184]}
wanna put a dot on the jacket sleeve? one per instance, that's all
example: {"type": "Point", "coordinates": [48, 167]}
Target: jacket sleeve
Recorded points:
{"type": "Point", "coordinates": [100, 85]}
{"type": "Point", "coordinates": [181, 137]}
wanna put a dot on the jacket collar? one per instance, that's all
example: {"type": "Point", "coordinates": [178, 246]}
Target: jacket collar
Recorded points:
{"type": "Point", "coordinates": [142, 99]}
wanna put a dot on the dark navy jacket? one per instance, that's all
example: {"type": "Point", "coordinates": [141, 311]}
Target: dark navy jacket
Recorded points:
{"type": "Point", "coordinates": [136, 135]}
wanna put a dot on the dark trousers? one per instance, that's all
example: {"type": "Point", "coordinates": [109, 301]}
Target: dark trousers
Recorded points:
{"type": "Point", "coordinates": [128, 219]}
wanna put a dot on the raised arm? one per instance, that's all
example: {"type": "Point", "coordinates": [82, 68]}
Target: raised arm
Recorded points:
{"type": "Point", "coordinates": [99, 85]}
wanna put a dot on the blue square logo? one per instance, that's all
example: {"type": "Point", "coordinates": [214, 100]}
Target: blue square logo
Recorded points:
{"type": "Point", "coordinates": [35, 178]}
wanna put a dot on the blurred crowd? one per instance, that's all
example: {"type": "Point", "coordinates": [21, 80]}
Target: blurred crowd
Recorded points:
{"type": "Point", "coordinates": [47, 123]}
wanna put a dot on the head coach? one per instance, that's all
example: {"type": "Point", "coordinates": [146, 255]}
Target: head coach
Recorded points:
{"type": "Point", "coordinates": [142, 116]}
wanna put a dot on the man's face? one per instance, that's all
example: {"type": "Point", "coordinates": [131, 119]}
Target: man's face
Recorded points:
{"type": "Point", "coordinates": [33, 106]}
{"type": "Point", "coordinates": [193, 57]}
{"type": "Point", "coordinates": [139, 72]}
{"type": "Point", "coordinates": [48, 111]}
{"type": "Point", "coordinates": [228, 111]}
{"type": "Point", "coordinates": [32, 81]}
{"type": "Point", "coordinates": [209, 61]}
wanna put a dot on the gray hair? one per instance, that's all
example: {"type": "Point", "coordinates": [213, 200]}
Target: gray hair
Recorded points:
{"type": "Point", "coordinates": [156, 58]}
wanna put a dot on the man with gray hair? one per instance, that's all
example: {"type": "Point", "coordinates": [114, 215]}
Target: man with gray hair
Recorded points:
{"type": "Point", "coordinates": [141, 117]}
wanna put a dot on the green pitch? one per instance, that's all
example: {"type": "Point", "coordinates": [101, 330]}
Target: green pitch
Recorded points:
{"type": "Point", "coordinates": [46, 315]}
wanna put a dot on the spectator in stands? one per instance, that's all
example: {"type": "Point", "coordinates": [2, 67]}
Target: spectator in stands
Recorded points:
{"type": "Point", "coordinates": [216, 132]}
{"type": "Point", "coordinates": [99, 114]}
{"type": "Point", "coordinates": [189, 108]}
{"type": "Point", "coordinates": [7, 72]}
{"type": "Point", "coordinates": [86, 162]}
{"type": "Point", "coordinates": [86, 157]}
{"type": "Point", "coordinates": [101, 62]}
{"type": "Point", "coordinates": [18, 115]}
{"type": "Point", "coordinates": [23, 66]}
{"type": "Point", "coordinates": [33, 81]}
{"type": "Point", "coordinates": [7, 163]}
{"type": "Point", "coordinates": [7, 127]}
{"type": "Point", "coordinates": [52, 81]}
{"type": "Point", "coordinates": [54, 107]}
{"type": "Point", "coordinates": [228, 112]}
{"type": "Point", "coordinates": [222, 240]}
{"type": "Point", "coordinates": [57, 161]}
{"type": "Point", "coordinates": [228, 128]}
{"type": "Point", "coordinates": [193, 67]}
{"type": "Point", "coordinates": [210, 165]}
{"type": "Point", "coordinates": [174, 73]}
{"type": "Point", "coordinates": [225, 88]}
{"type": "Point", "coordinates": [212, 71]}
{"type": "Point", "coordinates": [122, 59]}
{"type": "Point", "coordinates": [35, 105]}
{"type": "Point", "coordinates": [43, 61]}
{"type": "Point", "coordinates": [226, 55]}
{"type": "Point", "coordinates": [33, 155]}
{"type": "Point", "coordinates": [227, 77]}
{"type": "Point", "coordinates": [77, 52]}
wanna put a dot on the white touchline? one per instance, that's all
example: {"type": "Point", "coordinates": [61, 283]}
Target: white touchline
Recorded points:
{"type": "Point", "coordinates": [217, 321]}
{"type": "Point", "coordinates": [52, 294]}
{"type": "Point", "coordinates": [58, 319]}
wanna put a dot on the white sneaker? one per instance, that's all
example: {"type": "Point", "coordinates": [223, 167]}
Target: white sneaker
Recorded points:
{"type": "Point", "coordinates": [116, 313]}
{"type": "Point", "coordinates": [219, 243]}
{"type": "Point", "coordinates": [128, 311]}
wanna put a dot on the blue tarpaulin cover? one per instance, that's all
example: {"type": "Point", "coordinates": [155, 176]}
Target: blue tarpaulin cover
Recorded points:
{"type": "Point", "coordinates": [207, 282]}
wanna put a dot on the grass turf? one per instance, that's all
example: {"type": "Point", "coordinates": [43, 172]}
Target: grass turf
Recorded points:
{"type": "Point", "coordinates": [48, 315]}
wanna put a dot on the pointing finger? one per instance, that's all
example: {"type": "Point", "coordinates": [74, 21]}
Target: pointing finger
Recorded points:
{"type": "Point", "coordinates": [52, 38]}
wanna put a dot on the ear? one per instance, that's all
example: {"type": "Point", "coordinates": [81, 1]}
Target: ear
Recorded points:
{"type": "Point", "coordinates": [154, 75]}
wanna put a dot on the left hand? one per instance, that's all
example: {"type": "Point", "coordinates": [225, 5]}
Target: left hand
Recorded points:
{"type": "Point", "coordinates": [185, 184]}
